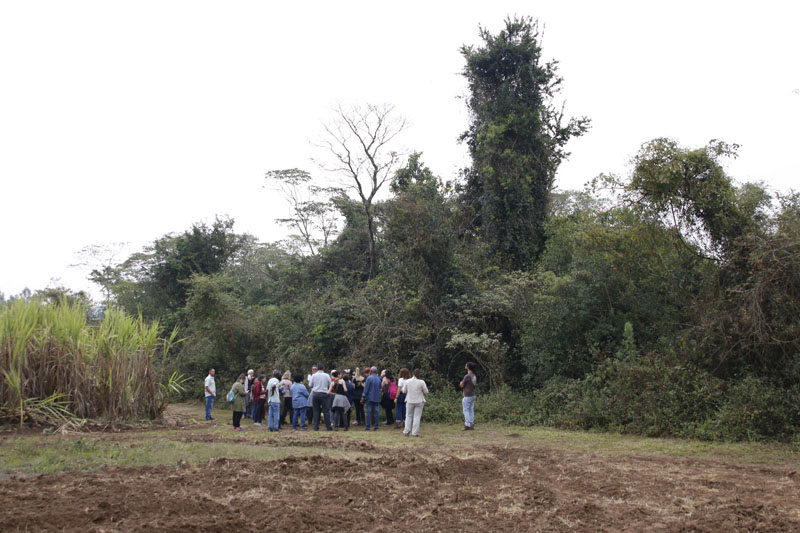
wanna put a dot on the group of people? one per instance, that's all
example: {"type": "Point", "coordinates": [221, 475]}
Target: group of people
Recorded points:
{"type": "Point", "coordinates": [331, 399]}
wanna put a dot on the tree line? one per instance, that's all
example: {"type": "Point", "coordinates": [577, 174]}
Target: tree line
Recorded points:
{"type": "Point", "coordinates": [662, 302]}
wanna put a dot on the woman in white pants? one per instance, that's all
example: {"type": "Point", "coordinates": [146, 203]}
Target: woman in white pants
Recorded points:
{"type": "Point", "coordinates": [415, 391]}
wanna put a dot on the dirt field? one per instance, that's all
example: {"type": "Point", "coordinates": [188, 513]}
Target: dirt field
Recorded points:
{"type": "Point", "coordinates": [443, 481]}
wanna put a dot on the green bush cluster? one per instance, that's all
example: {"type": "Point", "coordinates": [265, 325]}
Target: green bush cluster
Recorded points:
{"type": "Point", "coordinates": [645, 397]}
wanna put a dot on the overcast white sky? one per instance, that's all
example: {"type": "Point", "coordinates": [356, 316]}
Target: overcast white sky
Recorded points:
{"type": "Point", "coordinates": [124, 121]}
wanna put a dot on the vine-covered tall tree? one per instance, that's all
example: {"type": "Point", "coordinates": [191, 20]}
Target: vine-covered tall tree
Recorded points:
{"type": "Point", "coordinates": [516, 138]}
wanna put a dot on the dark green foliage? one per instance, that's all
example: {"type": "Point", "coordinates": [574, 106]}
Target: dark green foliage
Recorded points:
{"type": "Point", "coordinates": [418, 235]}
{"type": "Point", "coordinates": [155, 282]}
{"type": "Point", "coordinates": [757, 409]}
{"type": "Point", "coordinates": [688, 190]}
{"type": "Point", "coordinates": [516, 138]}
{"type": "Point", "coordinates": [348, 256]}
{"type": "Point", "coordinates": [648, 397]}
{"type": "Point", "coordinates": [755, 323]}
{"type": "Point", "coordinates": [672, 308]}
{"type": "Point", "coordinates": [601, 269]}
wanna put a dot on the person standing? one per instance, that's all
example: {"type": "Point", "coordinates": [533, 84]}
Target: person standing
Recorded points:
{"type": "Point", "coordinates": [210, 391]}
{"type": "Point", "coordinates": [414, 390]}
{"type": "Point", "coordinates": [274, 400]}
{"type": "Point", "coordinates": [349, 390]}
{"type": "Point", "coordinates": [299, 401]}
{"type": "Point", "coordinates": [388, 395]}
{"type": "Point", "coordinates": [468, 402]}
{"type": "Point", "coordinates": [320, 383]}
{"type": "Point", "coordinates": [248, 389]}
{"type": "Point", "coordinates": [372, 399]}
{"type": "Point", "coordinates": [340, 402]}
{"type": "Point", "coordinates": [259, 399]}
{"type": "Point", "coordinates": [400, 400]}
{"type": "Point", "coordinates": [309, 404]}
{"type": "Point", "coordinates": [358, 392]}
{"type": "Point", "coordinates": [238, 402]}
{"type": "Point", "coordinates": [286, 400]}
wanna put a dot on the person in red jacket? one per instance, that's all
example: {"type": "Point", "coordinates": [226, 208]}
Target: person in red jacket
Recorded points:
{"type": "Point", "coordinates": [259, 399]}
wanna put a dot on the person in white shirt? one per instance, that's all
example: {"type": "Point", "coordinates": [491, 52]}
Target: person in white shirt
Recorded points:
{"type": "Point", "coordinates": [274, 400]}
{"type": "Point", "coordinates": [400, 401]}
{"type": "Point", "coordinates": [320, 382]}
{"type": "Point", "coordinates": [415, 390]}
{"type": "Point", "coordinates": [210, 391]}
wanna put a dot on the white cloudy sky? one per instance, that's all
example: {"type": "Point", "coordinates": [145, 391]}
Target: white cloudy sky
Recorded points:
{"type": "Point", "coordinates": [124, 121]}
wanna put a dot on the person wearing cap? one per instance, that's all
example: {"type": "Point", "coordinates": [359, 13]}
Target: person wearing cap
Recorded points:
{"type": "Point", "coordinates": [274, 400]}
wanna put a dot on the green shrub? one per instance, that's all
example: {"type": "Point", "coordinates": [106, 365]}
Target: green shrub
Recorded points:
{"type": "Point", "coordinates": [756, 409]}
{"type": "Point", "coordinates": [645, 396]}
{"type": "Point", "coordinates": [650, 396]}
{"type": "Point", "coordinates": [443, 406]}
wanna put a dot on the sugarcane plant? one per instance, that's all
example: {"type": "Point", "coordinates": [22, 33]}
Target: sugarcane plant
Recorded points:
{"type": "Point", "coordinates": [55, 366]}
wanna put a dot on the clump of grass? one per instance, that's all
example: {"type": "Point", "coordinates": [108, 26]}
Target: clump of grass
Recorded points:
{"type": "Point", "coordinates": [55, 366]}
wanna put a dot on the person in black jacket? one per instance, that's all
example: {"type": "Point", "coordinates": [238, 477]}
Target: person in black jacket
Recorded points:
{"type": "Point", "coordinates": [358, 392]}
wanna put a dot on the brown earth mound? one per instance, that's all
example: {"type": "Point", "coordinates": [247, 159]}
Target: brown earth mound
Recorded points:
{"type": "Point", "coordinates": [495, 488]}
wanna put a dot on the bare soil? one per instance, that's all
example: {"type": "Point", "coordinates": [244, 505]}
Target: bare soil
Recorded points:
{"type": "Point", "coordinates": [425, 487]}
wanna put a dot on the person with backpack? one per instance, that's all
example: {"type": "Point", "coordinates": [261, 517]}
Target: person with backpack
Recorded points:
{"type": "Point", "coordinates": [238, 402]}
{"type": "Point", "coordinates": [400, 400]}
{"type": "Point", "coordinates": [388, 395]}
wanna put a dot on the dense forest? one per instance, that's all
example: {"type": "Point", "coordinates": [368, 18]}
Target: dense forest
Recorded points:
{"type": "Point", "coordinates": [665, 302]}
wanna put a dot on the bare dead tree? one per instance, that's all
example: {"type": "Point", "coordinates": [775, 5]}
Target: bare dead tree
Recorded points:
{"type": "Point", "coordinates": [101, 259]}
{"type": "Point", "coordinates": [314, 218]}
{"type": "Point", "coordinates": [357, 138]}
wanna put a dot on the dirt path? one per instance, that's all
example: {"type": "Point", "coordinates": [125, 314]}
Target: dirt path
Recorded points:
{"type": "Point", "coordinates": [428, 487]}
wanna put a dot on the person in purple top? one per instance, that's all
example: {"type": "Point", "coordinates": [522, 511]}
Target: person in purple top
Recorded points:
{"type": "Point", "coordinates": [372, 398]}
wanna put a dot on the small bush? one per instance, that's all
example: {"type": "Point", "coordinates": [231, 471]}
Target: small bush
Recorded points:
{"type": "Point", "coordinates": [756, 409]}
{"type": "Point", "coordinates": [443, 406]}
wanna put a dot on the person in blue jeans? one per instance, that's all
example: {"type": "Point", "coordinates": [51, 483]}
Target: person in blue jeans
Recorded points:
{"type": "Point", "coordinates": [299, 402]}
{"type": "Point", "coordinates": [372, 399]}
{"type": "Point", "coordinates": [210, 392]}
{"type": "Point", "coordinates": [274, 400]}
{"type": "Point", "coordinates": [468, 385]}
{"type": "Point", "coordinates": [400, 400]}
